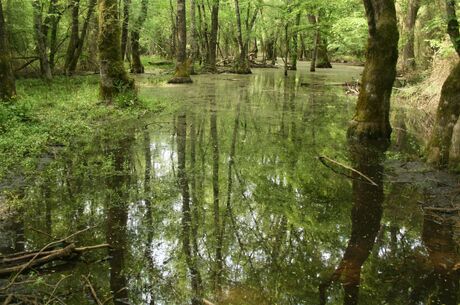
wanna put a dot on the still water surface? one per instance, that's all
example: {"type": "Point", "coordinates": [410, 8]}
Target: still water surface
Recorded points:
{"type": "Point", "coordinates": [226, 198]}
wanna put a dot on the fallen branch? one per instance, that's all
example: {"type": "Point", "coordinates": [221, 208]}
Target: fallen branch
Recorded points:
{"type": "Point", "coordinates": [322, 158]}
{"type": "Point", "coordinates": [92, 290]}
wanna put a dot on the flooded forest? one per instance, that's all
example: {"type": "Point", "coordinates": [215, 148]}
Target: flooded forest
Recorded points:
{"type": "Point", "coordinates": [229, 152]}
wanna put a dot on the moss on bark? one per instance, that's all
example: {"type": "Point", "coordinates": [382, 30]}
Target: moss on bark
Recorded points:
{"type": "Point", "coordinates": [114, 78]}
{"type": "Point", "coordinates": [446, 117]}
{"type": "Point", "coordinates": [372, 111]}
{"type": "Point", "coordinates": [7, 81]}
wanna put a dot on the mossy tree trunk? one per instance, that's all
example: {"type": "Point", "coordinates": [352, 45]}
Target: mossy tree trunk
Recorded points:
{"type": "Point", "coordinates": [316, 37]}
{"type": "Point", "coordinates": [114, 79]}
{"type": "Point", "coordinates": [242, 62]}
{"type": "Point", "coordinates": [322, 56]}
{"type": "Point", "coordinates": [74, 33]}
{"type": "Point", "coordinates": [77, 40]}
{"type": "Point", "coordinates": [40, 40]}
{"type": "Point", "coordinates": [210, 64]}
{"type": "Point", "coordinates": [194, 36]}
{"type": "Point", "coordinates": [295, 44]}
{"type": "Point", "coordinates": [136, 65]}
{"type": "Point", "coordinates": [125, 28]}
{"type": "Point", "coordinates": [372, 111]}
{"type": "Point", "coordinates": [182, 74]}
{"type": "Point", "coordinates": [409, 48]}
{"type": "Point", "coordinates": [7, 82]}
{"type": "Point", "coordinates": [446, 117]}
{"type": "Point", "coordinates": [452, 24]}
{"type": "Point", "coordinates": [449, 106]}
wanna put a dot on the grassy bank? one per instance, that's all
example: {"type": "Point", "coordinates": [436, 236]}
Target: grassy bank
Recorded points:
{"type": "Point", "coordinates": [47, 116]}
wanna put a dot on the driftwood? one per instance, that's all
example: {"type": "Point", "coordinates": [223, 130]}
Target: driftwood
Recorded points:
{"type": "Point", "coordinates": [59, 250]}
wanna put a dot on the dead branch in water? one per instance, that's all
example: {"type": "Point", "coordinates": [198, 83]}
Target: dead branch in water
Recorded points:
{"type": "Point", "coordinates": [323, 158]}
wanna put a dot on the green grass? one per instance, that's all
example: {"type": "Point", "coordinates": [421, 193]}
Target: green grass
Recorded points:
{"type": "Point", "coordinates": [45, 116]}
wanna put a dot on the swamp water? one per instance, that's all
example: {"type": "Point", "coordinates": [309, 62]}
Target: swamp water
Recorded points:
{"type": "Point", "coordinates": [241, 196]}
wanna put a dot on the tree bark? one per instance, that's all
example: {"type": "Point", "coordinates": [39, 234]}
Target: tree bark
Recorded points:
{"type": "Point", "coordinates": [114, 79]}
{"type": "Point", "coordinates": [373, 109]}
{"type": "Point", "coordinates": [136, 66]}
{"type": "Point", "coordinates": [322, 56]}
{"type": "Point", "coordinates": [81, 41]}
{"type": "Point", "coordinates": [74, 33]}
{"type": "Point", "coordinates": [194, 36]}
{"type": "Point", "coordinates": [7, 81]}
{"type": "Point", "coordinates": [182, 74]}
{"type": "Point", "coordinates": [295, 44]}
{"type": "Point", "coordinates": [125, 28]}
{"type": "Point", "coordinates": [242, 62]}
{"type": "Point", "coordinates": [210, 64]}
{"type": "Point", "coordinates": [41, 41]}
{"type": "Point", "coordinates": [452, 24]}
{"type": "Point", "coordinates": [316, 37]}
{"type": "Point", "coordinates": [409, 48]}
{"type": "Point", "coordinates": [448, 111]}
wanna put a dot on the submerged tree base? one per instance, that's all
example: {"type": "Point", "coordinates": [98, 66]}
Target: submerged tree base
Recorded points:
{"type": "Point", "coordinates": [368, 131]}
{"type": "Point", "coordinates": [180, 80]}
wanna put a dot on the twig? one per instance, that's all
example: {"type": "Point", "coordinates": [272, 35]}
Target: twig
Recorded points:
{"type": "Point", "coordinates": [322, 158]}
{"type": "Point", "coordinates": [55, 289]}
{"type": "Point", "coordinates": [8, 299]}
{"type": "Point", "coordinates": [93, 292]}
{"type": "Point", "coordinates": [25, 266]}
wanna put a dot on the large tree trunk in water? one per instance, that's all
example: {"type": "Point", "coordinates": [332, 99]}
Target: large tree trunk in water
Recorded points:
{"type": "Point", "coordinates": [295, 44]}
{"type": "Point", "coordinates": [182, 74]}
{"type": "Point", "coordinates": [41, 41]}
{"type": "Point", "coordinates": [125, 28]}
{"type": "Point", "coordinates": [136, 66]}
{"type": "Point", "coordinates": [449, 106]}
{"type": "Point", "coordinates": [373, 109]}
{"type": "Point", "coordinates": [242, 62]}
{"type": "Point", "coordinates": [316, 37]}
{"type": "Point", "coordinates": [7, 82]}
{"type": "Point", "coordinates": [194, 36]}
{"type": "Point", "coordinates": [210, 64]}
{"type": "Point", "coordinates": [322, 57]}
{"type": "Point", "coordinates": [114, 79]}
{"type": "Point", "coordinates": [409, 48]}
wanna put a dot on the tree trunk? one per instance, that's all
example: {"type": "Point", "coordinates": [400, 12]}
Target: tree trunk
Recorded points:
{"type": "Point", "coordinates": [409, 49]}
{"type": "Point", "coordinates": [452, 25]}
{"type": "Point", "coordinates": [74, 34]}
{"type": "Point", "coordinates": [316, 37]}
{"type": "Point", "coordinates": [449, 106]}
{"type": "Point", "coordinates": [295, 44]}
{"type": "Point", "coordinates": [81, 41]}
{"type": "Point", "coordinates": [55, 17]}
{"type": "Point", "coordinates": [446, 117]}
{"type": "Point", "coordinates": [373, 109]}
{"type": "Point", "coordinates": [242, 62]}
{"type": "Point", "coordinates": [210, 64]}
{"type": "Point", "coordinates": [136, 66]}
{"type": "Point", "coordinates": [7, 81]}
{"type": "Point", "coordinates": [182, 74]}
{"type": "Point", "coordinates": [41, 41]}
{"type": "Point", "coordinates": [286, 51]}
{"type": "Point", "coordinates": [114, 79]}
{"type": "Point", "coordinates": [125, 28]}
{"type": "Point", "coordinates": [322, 57]}
{"type": "Point", "coordinates": [194, 36]}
